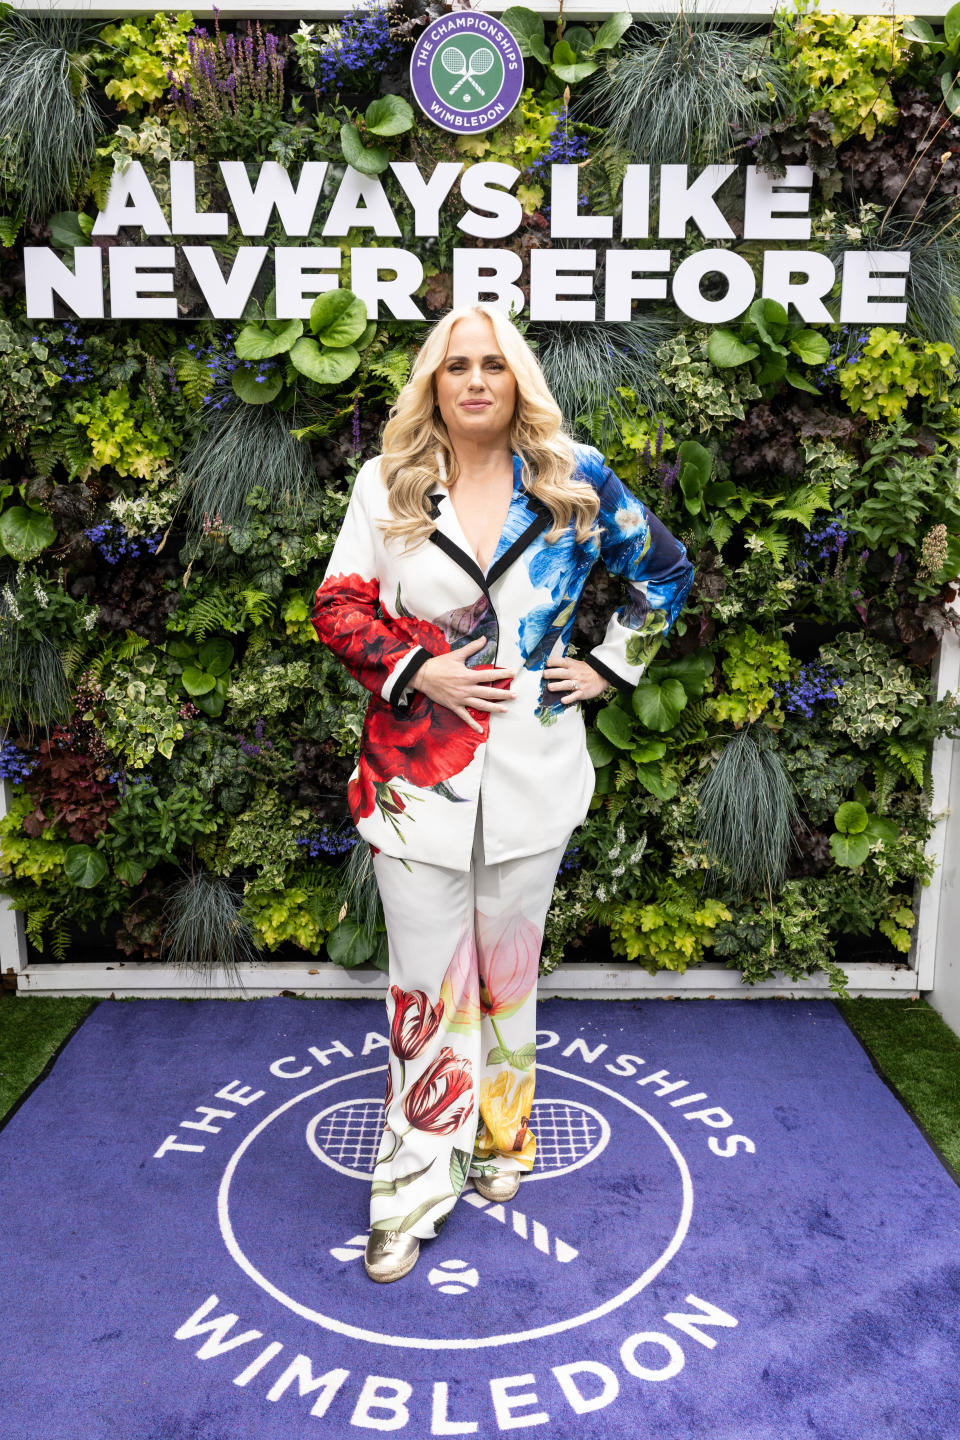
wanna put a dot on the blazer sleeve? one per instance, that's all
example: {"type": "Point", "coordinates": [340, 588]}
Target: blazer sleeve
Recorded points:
{"type": "Point", "coordinates": [347, 615]}
{"type": "Point", "coordinates": [658, 572]}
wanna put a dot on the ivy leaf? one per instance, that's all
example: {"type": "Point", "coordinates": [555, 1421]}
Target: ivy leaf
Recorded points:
{"type": "Point", "coordinates": [84, 866]}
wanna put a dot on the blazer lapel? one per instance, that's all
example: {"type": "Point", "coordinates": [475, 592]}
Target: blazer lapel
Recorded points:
{"type": "Point", "coordinates": [526, 511]}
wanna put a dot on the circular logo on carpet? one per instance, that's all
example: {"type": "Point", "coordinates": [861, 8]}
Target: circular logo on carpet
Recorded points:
{"type": "Point", "coordinates": [606, 1206]}
{"type": "Point", "coordinates": [466, 72]}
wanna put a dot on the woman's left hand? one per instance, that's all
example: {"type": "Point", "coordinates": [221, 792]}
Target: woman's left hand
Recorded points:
{"type": "Point", "coordinates": [579, 679]}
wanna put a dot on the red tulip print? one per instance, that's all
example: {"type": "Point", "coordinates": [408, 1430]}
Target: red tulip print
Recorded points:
{"type": "Point", "coordinates": [415, 1022]}
{"type": "Point", "coordinates": [458, 989]}
{"type": "Point", "coordinates": [431, 1102]}
{"type": "Point", "coordinates": [509, 957]}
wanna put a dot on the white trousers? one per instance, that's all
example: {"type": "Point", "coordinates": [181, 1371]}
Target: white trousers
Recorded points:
{"type": "Point", "coordinates": [464, 950]}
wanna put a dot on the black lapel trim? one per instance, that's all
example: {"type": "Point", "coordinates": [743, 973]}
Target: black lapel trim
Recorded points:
{"type": "Point", "coordinates": [542, 521]}
{"type": "Point", "coordinates": [465, 561]}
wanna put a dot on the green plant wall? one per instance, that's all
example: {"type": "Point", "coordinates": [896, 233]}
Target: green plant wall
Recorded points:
{"type": "Point", "coordinates": [177, 742]}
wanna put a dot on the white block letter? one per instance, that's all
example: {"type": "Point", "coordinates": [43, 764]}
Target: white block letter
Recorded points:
{"type": "Point", "coordinates": [479, 187]}
{"type": "Point", "coordinates": [469, 285]}
{"type": "Point", "coordinates": [571, 271]}
{"type": "Point", "coordinates": [764, 196]}
{"type": "Point", "coordinates": [690, 272]}
{"type": "Point", "coordinates": [807, 295]}
{"type": "Point", "coordinates": [862, 279]}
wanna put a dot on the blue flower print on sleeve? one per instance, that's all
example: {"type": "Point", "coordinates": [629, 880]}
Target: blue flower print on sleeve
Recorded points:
{"type": "Point", "coordinates": [656, 567]}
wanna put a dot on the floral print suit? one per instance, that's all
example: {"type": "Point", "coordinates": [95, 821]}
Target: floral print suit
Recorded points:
{"type": "Point", "coordinates": [415, 789]}
{"type": "Point", "coordinates": [467, 828]}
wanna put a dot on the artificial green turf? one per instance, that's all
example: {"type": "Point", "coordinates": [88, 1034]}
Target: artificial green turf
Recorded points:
{"type": "Point", "coordinates": [31, 1029]}
{"type": "Point", "coordinates": [911, 1046]}
{"type": "Point", "coordinates": [917, 1052]}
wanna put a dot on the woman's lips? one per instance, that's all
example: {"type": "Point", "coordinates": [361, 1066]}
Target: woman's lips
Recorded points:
{"type": "Point", "coordinates": [474, 404]}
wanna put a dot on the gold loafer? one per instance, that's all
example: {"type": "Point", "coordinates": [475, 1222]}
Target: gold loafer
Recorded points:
{"type": "Point", "coordinates": [498, 1187]}
{"type": "Point", "coordinates": [390, 1255]}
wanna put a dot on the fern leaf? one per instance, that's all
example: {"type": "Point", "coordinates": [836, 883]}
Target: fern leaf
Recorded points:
{"type": "Point", "coordinates": [626, 774]}
{"type": "Point", "coordinates": [394, 367]}
{"type": "Point", "coordinates": [720, 529]}
{"type": "Point", "coordinates": [911, 756]}
{"type": "Point", "coordinates": [800, 504]}
{"type": "Point", "coordinates": [60, 939]}
{"type": "Point", "coordinates": [886, 780]}
{"type": "Point", "coordinates": [774, 540]}
{"type": "Point", "coordinates": [194, 376]}
{"type": "Point", "coordinates": [257, 604]}
{"type": "Point", "coordinates": [130, 645]}
{"type": "Point", "coordinates": [73, 657]}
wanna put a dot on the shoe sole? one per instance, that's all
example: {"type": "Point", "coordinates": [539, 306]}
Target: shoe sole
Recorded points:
{"type": "Point", "coordinates": [501, 1199]}
{"type": "Point", "coordinates": [396, 1274]}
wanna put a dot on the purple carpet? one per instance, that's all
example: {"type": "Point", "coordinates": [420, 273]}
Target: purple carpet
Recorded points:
{"type": "Point", "coordinates": [734, 1231]}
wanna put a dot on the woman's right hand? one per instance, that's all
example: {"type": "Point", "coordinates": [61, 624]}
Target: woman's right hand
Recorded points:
{"type": "Point", "coordinates": [448, 681]}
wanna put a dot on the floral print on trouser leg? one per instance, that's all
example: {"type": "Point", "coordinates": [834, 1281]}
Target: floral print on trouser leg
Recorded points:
{"type": "Point", "coordinates": [464, 950]}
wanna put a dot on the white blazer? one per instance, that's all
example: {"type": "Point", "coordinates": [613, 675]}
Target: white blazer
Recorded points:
{"type": "Point", "coordinates": [383, 612]}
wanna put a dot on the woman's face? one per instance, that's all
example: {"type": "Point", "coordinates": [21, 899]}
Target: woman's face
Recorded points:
{"type": "Point", "coordinates": [474, 370]}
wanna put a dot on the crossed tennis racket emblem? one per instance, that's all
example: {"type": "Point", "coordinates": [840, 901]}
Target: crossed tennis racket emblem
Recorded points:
{"type": "Point", "coordinates": [455, 63]}
{"type": "Point", "coordinates": [569, 1133]}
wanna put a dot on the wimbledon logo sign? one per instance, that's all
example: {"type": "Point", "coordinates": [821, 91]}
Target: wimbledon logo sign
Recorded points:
{"type": "Point", "coordinates": [466, 72]}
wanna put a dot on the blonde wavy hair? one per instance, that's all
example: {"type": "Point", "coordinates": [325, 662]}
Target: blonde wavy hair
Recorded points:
{"type": "Point", "coordinates": [415, 434]}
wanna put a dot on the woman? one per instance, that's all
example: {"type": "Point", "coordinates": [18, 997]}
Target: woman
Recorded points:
{"type": "Point", "coordinates": [450, 594]}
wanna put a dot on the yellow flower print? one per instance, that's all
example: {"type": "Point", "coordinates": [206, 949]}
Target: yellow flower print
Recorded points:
{"type": "Point", "coordinates": [505, 1105]}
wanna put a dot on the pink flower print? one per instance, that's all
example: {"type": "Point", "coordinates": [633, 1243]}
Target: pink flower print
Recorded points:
{"type": "Point", "coordinates": [509, 957]}
{"type": "Point", "coordinates": [459, 990]}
